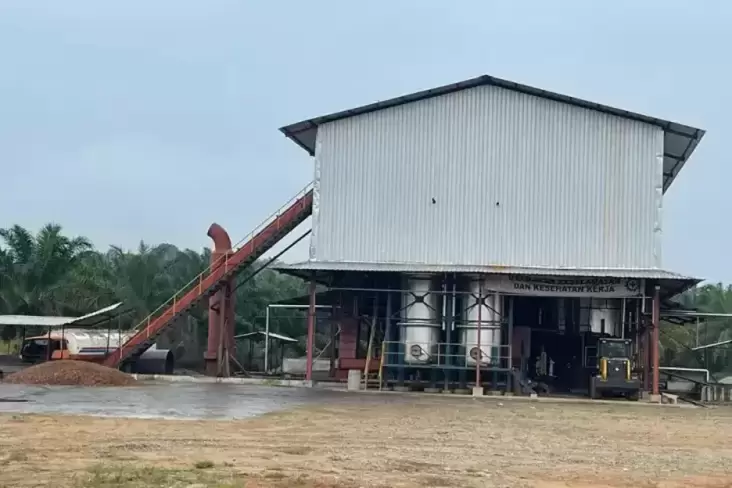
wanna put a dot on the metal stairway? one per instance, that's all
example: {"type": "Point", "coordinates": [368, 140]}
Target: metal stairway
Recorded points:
{"type": "Point", "coordinates": [248, 250]}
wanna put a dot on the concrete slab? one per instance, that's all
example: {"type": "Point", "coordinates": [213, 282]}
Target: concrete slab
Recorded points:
{"type": "Point", "coordinates": [478, 391]}
{"type": "Point", "coordinates": [166, 400]}
{"type": "Point", "coordinates": [669, 398]}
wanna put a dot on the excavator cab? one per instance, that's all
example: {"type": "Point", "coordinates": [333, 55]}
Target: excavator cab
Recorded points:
{"type": "Point", "coordinates": [614, 369]}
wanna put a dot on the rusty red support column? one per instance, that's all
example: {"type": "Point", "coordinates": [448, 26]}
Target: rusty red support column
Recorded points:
{"type": "Point", "coordinates": [656, 318]}
{"type": "Point", "coordinates": [311, 333]}
{"type": "Point", "coordinates": [220, 309]}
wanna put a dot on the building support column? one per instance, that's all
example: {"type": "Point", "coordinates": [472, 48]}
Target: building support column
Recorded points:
{"type": "Point", "coordinates": [478, 388]}
{"type": "Point", "coordinates": [334, 321]}
{"type": "Point", "coordinates": [311, 333]}
{"type": "Point", "coordinates": [655, 332]}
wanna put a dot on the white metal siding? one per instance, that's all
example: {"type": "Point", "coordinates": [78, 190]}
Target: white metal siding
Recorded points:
{"type": "Point", "coordinates": [516, 180]}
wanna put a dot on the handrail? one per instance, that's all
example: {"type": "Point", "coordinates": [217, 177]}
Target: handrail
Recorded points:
{"type": "Point", "coordinates": [198, 279]}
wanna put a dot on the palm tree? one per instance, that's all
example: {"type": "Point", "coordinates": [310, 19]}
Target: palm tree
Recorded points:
{"type": "Point", "coordinates": [35, 271]}
{"type": "Point", "coordinates": [51, 274]}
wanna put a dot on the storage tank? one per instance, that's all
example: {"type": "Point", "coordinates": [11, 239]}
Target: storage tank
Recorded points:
{"type": "Point", "coordinates": [605, 316]}
{"type": "Point", "coordinates": [491, 314]}
{"type": "Point", "coordinates": [420, 327]}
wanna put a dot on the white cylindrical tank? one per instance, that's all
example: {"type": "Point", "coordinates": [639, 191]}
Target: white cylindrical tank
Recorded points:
{"type": "Point", "coordinates": [490, 314]}
{"type": "Point", "coordinates": [88, 342]}
{"type": "Point", "coordinates": [420, 327]}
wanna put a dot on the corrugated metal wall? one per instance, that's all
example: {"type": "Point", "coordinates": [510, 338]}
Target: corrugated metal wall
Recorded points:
{"type": "Point", "coordinates": [488, 176]}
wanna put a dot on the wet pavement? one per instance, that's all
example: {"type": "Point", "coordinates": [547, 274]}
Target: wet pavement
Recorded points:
{"type": "Point", "coordinates": [162, 400]}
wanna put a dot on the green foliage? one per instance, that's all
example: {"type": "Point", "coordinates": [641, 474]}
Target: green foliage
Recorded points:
{"type": "Point", "coordinates": [677, 340]}
{"type": "Point", "coordinates": [51, 274]}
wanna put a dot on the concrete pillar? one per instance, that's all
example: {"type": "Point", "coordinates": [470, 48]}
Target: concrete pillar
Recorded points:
{"type": "Point", "coordinates": [354, 379]}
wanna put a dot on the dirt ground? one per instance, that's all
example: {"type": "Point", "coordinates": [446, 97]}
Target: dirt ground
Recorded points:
{"type": "Point", "coordinates": [426, 443]}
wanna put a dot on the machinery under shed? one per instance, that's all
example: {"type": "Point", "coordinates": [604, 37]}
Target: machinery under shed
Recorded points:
{"type": "Point", "coordinates": [479, 234]}
{"type": "Point", "coordinates": [492, 234]}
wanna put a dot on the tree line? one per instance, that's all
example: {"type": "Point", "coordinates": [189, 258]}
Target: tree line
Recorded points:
{"type": "Point", "coordinates": [678, 341]}
{"type": "Point", "coordinates": [50, 273]}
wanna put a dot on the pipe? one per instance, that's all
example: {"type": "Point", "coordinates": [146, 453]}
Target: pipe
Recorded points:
{"type": "Point", "coordinates": [716, 344]}
{"type": "Point", "coordinates": [655, 339]}
{"type": "Point", "coordinates": [311, 333]}
{"type": "Point", "coordinates": [221, 239]}
{"type": "Point", "coordinates": [155, 361]}
{"type": "Point", "coordinates": [689, 370]}
{"type": "Point", "coordinates": [479, 356]}
{"type": "Point", "coordinates": [622, 320]}
{"type": "Point", "coordinates": [221, 307]}
{"type": "Point", "coordinates": [266, 340]}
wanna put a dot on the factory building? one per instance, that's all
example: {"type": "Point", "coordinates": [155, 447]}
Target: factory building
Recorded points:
{"type": "Point", "coordinates": [489, 233]}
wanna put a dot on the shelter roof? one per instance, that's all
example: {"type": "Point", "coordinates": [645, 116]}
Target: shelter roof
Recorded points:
{"type": "Point", "coordinates": [88, 320]}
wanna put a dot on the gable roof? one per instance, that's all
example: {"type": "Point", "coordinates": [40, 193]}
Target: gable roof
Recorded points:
{"type": "Point", "coordinates": [679, 140]}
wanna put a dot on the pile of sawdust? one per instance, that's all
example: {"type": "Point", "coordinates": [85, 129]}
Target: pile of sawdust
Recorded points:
{"type": "Point", "coordinates": [65, 372]}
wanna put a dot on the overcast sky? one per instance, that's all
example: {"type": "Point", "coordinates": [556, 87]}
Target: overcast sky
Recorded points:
{"type": "Point", "coordinates": [118, 118]}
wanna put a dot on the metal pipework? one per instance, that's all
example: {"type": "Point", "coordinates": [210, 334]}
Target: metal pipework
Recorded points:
{"type": "Point", "coordinates": [267, 325]}
{"type": "Point", "coordinates": [220, 305]}
{"type": "Point", "coordinates": [155, 361]}
{"type": "Point", "coordinates": [421, 323]}
{"type": "Point", "coordinates": [484, 308]}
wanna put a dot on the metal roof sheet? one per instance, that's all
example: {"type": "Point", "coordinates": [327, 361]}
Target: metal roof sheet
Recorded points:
{"type": "Point", "coordinates": [679, 140]}
{"type": "Point", "coordinates": [45, 321]}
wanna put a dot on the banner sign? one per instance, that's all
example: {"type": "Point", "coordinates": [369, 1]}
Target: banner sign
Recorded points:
{"type": "Point", "coordinates": [566, 286]}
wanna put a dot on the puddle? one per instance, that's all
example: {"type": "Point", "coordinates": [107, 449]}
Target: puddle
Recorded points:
{"type": "Point", "coordinates": [160, 400]}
